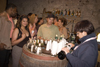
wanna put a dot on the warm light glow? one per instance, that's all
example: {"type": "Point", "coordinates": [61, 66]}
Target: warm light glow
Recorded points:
{"type": "Point", "coordinates": [98, 37]}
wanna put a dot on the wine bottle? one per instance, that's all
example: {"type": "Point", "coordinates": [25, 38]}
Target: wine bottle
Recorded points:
{"type": "Point", "coordinates": [79, 13]}
{"type": "Point", "coordinates": [68, 13]}
{"type": "Point", "coordinates": [58, 12]}
{"type": "Point", "coordinates": [56, 37]}
{"type": "Point", "coordinates": [73, 13]}
{"type": "Point", "coordinates": [72, 38]}
{"type": "Point", "coordinates": [76, 13]}
{"type": "Point", "coordinates": [42, 42]}
{"type": "Point", "coordinates": [32, 46]}
{"type": "Point", "coordinates": [45, 42]}
{"type": "Point", "coordinates": [39, 49]}
{"type": "Point", "coordinates": [29, 43]}
{"type": "Point", "coordinates": [65, 11]}
{"type": "Point", "coordinates": [37, 42]}
{"type": "Point", "coordinates": [53, 12]}
{"type": "Point", "coordinates": [61, 12]}
{"type": "Point", "coordinates": [61, 37]}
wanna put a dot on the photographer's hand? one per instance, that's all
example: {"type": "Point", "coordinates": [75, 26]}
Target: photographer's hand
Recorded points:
{"type": "Point", "coordinates": [72, 45]}
{"type": "Point", "coordinates": [65, 49]}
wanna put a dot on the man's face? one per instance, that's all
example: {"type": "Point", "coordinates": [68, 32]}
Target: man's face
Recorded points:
{"type": "Point", "coordinates": [50, 21]}
{"type": "Point", "coordinates": [13, 12]}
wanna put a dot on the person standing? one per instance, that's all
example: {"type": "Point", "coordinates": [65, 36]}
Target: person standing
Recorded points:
{"type": "Point", "coordinates": [85, 54]}
{"type": "Point", "coordinates": [20, 37]}
{"type": "Point", "coordinates": [6, 29]}
{"type": "Point", "coordinates": [32, 25]}
{"type": "Point", "coordinates": [48, 31]}
{"type": "Point", "coordinates": [62, 22]}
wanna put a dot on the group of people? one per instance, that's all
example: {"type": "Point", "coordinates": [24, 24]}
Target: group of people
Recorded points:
{"type": "Point", "coordinates": [13, 35]}
{"type": "Point", "coordinates": [29, 26]}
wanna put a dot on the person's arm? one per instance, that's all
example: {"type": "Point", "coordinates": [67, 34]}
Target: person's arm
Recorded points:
{"type": "Point", "coordinates": [72, 45]}
{"type": "Point", "coordinates": [0, 24]}
{"type": "Point", "coordinates": [39, 34]}
{"type": "Point", "coordinates": [85, 59]}
{"type": "Point", "coordinates": [0, 28]}
{"type": "Point", "coordinates": [14, 37]}
{"type": "Point", "coordinates": [1, 44]}
{"type": "Point", "coordinates": [31, 29]}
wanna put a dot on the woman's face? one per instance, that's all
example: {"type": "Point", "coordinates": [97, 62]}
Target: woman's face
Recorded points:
{"type": "Point", "coordinates": [81, 34]}
{"type": "Point", "coordinates": [36, 19]}
{"type": "Point", "coordinates": [60, 23]}
{"type": "Point", "coordinates": [24, 22]}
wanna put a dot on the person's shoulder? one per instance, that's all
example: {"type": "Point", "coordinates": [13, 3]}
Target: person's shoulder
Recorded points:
{"type": "Point", "coordinates": [2, 17]}
{"type": "Point", "coordinates": [64, 28]}
{"type": "Point", "coordinates": [3, 14]}
{"type": "Point", "coordinates": [87, 45]}
{"type": "Point", "coordinates": [16, 30]}
{"type": "Point", "coordinates": [54, 26]}
{"type": "Point", "coordinates": [43, 25]}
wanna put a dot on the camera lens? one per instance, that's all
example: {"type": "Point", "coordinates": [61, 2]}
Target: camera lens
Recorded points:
{"type": "Point", "coordinates": [61, 55]}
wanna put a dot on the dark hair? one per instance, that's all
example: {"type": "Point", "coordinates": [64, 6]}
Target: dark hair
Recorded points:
{"type": "Point", "coordinates": [39, 19]}
{"type": "Point", "coordinates": [36, 15]}
{"type": "Point", "coordinates": [56, 18]}
{"type": "Point", "coordinates": [29, 14]}
{"type": "Point", "coordinates": [84, 25]}
{"type": "Point", "coordinates": [18, 15]}
{"type": "Point", "coordinates": [50, 16]}
{"type": "Point", "coordinates": [63, 20]}
{"type": "Point", "coordinates": [18, 25]}
{"type": "Point", "coordinates": [10, 6]}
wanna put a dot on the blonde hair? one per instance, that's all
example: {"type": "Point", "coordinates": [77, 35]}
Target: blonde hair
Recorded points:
{"type": "Point", "coordinates": [32, 18]}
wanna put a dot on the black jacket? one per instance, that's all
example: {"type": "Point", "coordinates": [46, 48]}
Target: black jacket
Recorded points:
{"type": "Point", "coordinates": [85, 55]}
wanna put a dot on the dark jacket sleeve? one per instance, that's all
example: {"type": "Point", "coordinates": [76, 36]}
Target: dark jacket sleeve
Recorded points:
{"type": "Point", "coordinates": [74, 46]}
{"type": "Point", "coordinates": [85, 58]}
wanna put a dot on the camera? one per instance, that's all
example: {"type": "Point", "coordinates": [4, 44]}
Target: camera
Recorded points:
{"type": "Point", "coordinates": [61, 54]}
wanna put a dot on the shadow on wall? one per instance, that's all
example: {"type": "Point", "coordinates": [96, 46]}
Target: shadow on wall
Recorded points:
{"type": "Point", "coordinates": [2, 5]}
